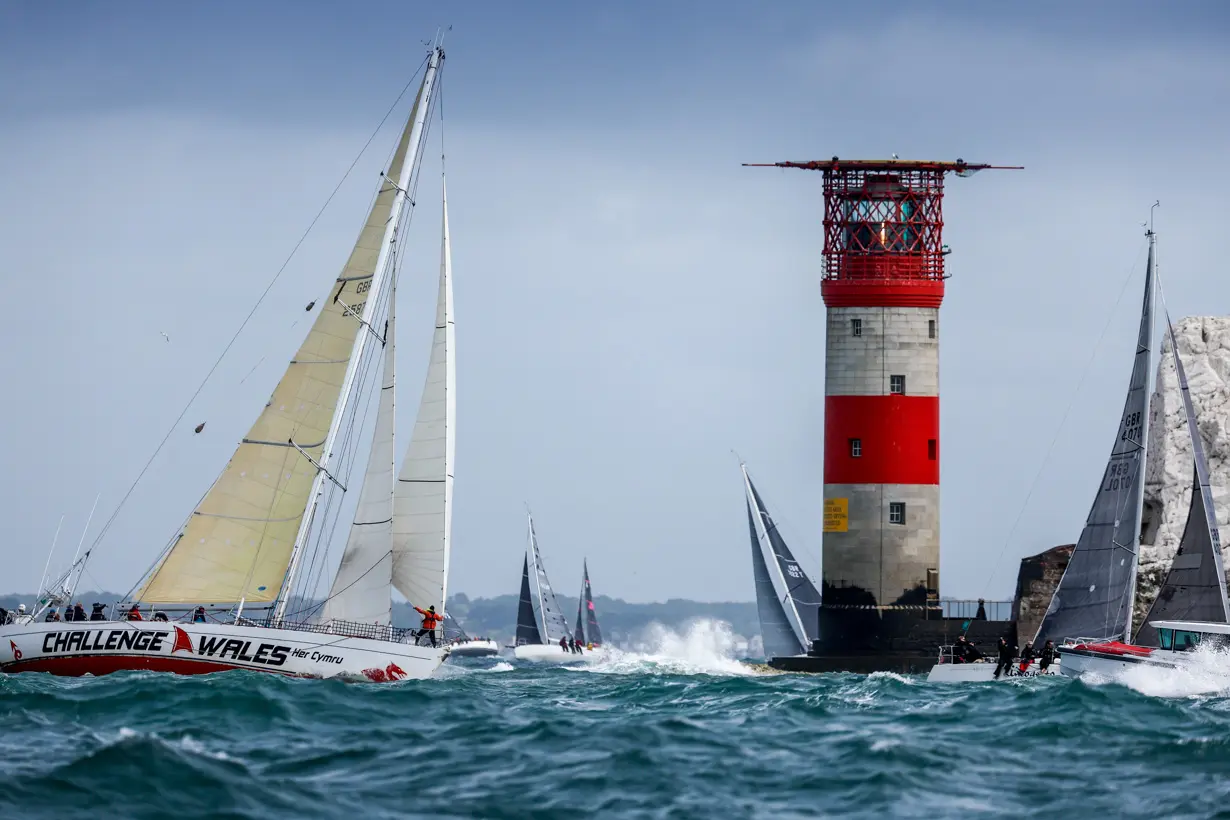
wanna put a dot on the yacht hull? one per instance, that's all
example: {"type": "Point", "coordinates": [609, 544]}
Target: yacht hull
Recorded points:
{"type": "Point", "coordinates": [551, 653]}
{"type": "Point", "coordinates": [474, 649]}
{"type": "Point", "coordinates": [102, 647]}
{"type": "Point", "coordinates": [1080, 660]}
{"type": "Point", "coordinates": [984, 672]}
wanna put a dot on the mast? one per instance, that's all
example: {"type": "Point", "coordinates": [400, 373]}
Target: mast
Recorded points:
{"type": "Point", "coordinates": [1144, 444]}
{"type": "Point", "coordinates": [364, 337]}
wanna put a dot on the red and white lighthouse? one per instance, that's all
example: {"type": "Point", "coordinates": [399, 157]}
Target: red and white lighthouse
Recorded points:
{"type": "Point", "coordinates": [883, 284]}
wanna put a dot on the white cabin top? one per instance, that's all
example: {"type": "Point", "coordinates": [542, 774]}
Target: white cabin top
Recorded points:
{"type": "Point", "coordinates": [1207, 627]}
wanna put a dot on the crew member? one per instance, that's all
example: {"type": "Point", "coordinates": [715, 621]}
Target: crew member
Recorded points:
{"type": "Point", "coordinates": [52, 615]}
{"type": "Point", "coordinates": [78, 612]}
{"type": "Point", "coordinates": [98, 614]}
{"type": "Point", "coordinates": [1048, 656]}
{"type": "Point", "coordinates": [430, 619]}
{"type": "Point", "coordinates": [1006, 653]}
{"type": "Point", "coordinates": [198, 617]}
{"type": "Point", "coordinates": [134, 614]}
{"type": "Point", "coordinates": [1027, 656]}
{"type": "Point", "coordinates": [563, 643]}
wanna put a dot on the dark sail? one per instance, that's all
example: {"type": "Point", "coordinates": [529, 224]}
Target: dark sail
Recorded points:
{"type": "Point", "coordinates": [1195, 586]}
{"type": "Point", "coordinates": [452, 630]}
{"type": "Point", "coordinates": [788, 609]}
{"type": "Point", "coordinates": [587, 630]}
{"type": "Point", "coordinates": [527, 621]}
{"type": "Point", "coordinates": [1094, 598]}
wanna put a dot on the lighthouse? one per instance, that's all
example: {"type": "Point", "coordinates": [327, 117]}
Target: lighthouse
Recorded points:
{"type": "Point", "coordinates": [883, 283]}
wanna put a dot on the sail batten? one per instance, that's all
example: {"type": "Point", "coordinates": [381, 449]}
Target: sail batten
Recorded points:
{"type": "Point", "coordinates": [242, 542]}
{"type": "Point", "coordinates": [422, 503]}
{"type": "Point", "coordinates": [1094, 596]}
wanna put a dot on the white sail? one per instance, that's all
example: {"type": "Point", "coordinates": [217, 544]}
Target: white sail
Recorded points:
{"type": "Point", "coordinates": [361, 586]}
{"type": "Point", "coordinates": [238, 543]}
{"type": "Point", "coordinates": [423, 499]}
{"type": "Point", "coordinates": [552, 624]}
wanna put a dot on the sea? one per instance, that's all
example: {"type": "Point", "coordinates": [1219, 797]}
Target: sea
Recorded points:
{"type": "Point", "coordinates": [683, 731]}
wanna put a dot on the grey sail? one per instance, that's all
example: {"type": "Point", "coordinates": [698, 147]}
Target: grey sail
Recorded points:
{"type": "Point", "coordinates": [552, 624]}
{"type": "Point", "coordinates": [1094, 598]}
{"type": "Point", "coordinates": [587, 630]}
{"type": "Point", "coordinates": [787, 602]}
{"type": "Point", "coordinates": [452, 630]}
{"type": "Point", "coordinates": [779, 639]}
{"type": "Point", "coordinates": [1195, 586]}
{"type": "Point", "coordinates": [527, 621]}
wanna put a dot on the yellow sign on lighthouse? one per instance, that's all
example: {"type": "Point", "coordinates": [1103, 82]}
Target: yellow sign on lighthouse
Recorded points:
{"type": "Point", "coordinates": [836, 514]}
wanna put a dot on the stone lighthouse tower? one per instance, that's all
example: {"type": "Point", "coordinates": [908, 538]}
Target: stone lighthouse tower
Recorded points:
{"type": "Point", "coordinates": [882, 285]}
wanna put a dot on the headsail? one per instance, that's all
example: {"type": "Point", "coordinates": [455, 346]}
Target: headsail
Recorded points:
{"type": "Point", "coordinates": [551, 622]}
{"type": "Point", "coordinates": [423, 501]}
{"type": "Point", "coordinates": [239, 543]}
{"type": "Point", "coordinates": [1195, 586]}
{"type": "Point", "coordinates": [587, 630]}
{"type": "Point", "coordinates": [1094, 597]}
{"type": "Point", "coordinates": [786, 600]}
{"type": "Point", "coordinates": [527, 619]}
{"type": "Point", "coordinates": [360, 590]}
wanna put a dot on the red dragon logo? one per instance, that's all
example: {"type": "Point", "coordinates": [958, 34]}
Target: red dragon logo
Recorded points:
{"type": "Point", "coordinates": [17, 654]}
{"type": "Point", "coordinates": [390, 673]}
{"type": "Point", "coordinates": [182, 642]}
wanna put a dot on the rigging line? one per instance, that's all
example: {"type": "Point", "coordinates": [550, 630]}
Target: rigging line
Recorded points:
{"type": "Point", "coordinates": [1062, 420]}
{"type": "Point", "coordinates": [251, 313]}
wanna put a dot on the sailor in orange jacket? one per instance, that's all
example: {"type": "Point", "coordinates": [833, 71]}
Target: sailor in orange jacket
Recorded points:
{"type": "Point", "coordinates": [430, 619]}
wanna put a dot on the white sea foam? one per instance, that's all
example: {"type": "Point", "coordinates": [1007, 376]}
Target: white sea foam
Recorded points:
{"type": "Point", "coordinates": [704, 647]}
{"type": "Point", "coordinates": [1207, 672]}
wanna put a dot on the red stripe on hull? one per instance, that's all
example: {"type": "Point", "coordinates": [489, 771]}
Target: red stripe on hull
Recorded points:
{"type": "Point", "coordinates": [894, 434]}
{"type": "Point", "coordinates": [78, 665]}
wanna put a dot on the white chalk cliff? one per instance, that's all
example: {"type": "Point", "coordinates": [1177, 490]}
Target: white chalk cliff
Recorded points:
{"type": "Point", "coordinates": [1204, 346]}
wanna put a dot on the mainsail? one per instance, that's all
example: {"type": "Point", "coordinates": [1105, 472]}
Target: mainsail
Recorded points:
{"type": "Point", "coordinates": [452, 630]}
{"type": "Point", "coordinates": [786, 600]}
{"type": "Point", "coordinates": [243, 540]}
{"type": "Point", "coordinates": [1094, 597]}
{"type": "Point", "coordinates": [587, 630]}
{"type": "Point", "coordinates": [423, 499]}
{"type": "Point", "coordinates": [361, 586]}
{"type": "Point", "coordinates": [1195, 586]}
{"type": "Point", "coordinates": [548, 616]}
{"type": "Point", "coordinates": [527, 618]}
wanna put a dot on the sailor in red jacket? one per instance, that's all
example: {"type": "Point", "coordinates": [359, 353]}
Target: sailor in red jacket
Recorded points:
{"type": "Point", "coordinates": [430, 619]}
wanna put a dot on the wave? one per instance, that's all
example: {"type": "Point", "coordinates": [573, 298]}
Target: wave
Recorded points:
{"type": "Point", "coordinates": [704, 647]}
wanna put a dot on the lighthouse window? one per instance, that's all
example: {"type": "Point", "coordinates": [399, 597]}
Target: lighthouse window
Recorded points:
{"type": "Point", "coordinates": [930, 328]}
{"type": "Point", "coordinates": [896, 512]}
{"type": "Point", "coordinates": [931, 449]}
{"type": "Point", "coordinates": [896, 384]}
{"type": "Point", "coordinates": [856, 448]}
{"type": "Point", "coordinates": [856, 327]}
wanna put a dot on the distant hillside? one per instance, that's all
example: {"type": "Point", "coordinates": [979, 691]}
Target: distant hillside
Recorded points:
{"type": "Point", "coordinates": [497, 617]}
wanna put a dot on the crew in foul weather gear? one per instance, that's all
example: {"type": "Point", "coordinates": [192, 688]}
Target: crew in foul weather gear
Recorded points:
{"type": "Point", "coordinates": [430, 619]}
{"type": "Point", "coordinates": [78, 612]}
{"type": "Point", "coordinates": [98, 614]}
{"type": "Point", "coordinates": [1048, 656]}
{"type": "Point", "coordinates": [198, 617]}
{"type": "Point", "coordinates": [134, 614]}
{"type": "Point", "coordinates": [1027, 657]}
{"type": "Point", "coordinates": [1006, 654]}
{"type": "Point", "coordinates": [52, 615]}
{"type": "Point", "coordinates": [563, 643]}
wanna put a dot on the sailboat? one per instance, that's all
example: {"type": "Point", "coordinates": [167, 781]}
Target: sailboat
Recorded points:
{"type": "Point", "coordinates": [540, 621]}
{"type": "Point", "coordinates": [244, 544]}
{"type": "Point", "coordinates": [462, 645]}
{"type": "Point", "coordinates": [1094, 597]}
{"type": "Point", "coordinates": [786, 600]}
{"type": "Point", "coordinates": [1191, 607]}
{"type": "Point", "coordinates": [587, 633]}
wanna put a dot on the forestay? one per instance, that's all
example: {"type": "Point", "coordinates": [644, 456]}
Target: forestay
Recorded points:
{"type": "Point", "coordinates": [237, 544]}
{"type": "Point", "coordinates": [1195, 586]}
{"type": "Point", "coordinates": [1094, 597]}
{"type": "Point", "coordinates": [787, 602]}
{"type": "Point", "coordinates": [423, 500]}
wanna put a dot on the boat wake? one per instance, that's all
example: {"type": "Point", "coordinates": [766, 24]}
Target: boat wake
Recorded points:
{"type": "Point", "coordinates": [1206, 673]}
{"type": "Point", "coordinates": [704, 647]}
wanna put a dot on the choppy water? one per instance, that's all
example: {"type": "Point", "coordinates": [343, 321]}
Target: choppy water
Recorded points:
{"type": "Point", "coordinates": [685, 732]}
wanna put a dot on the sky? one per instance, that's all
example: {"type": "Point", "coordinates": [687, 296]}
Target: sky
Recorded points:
{"type": "Point", "coordinates": [631, 303]}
